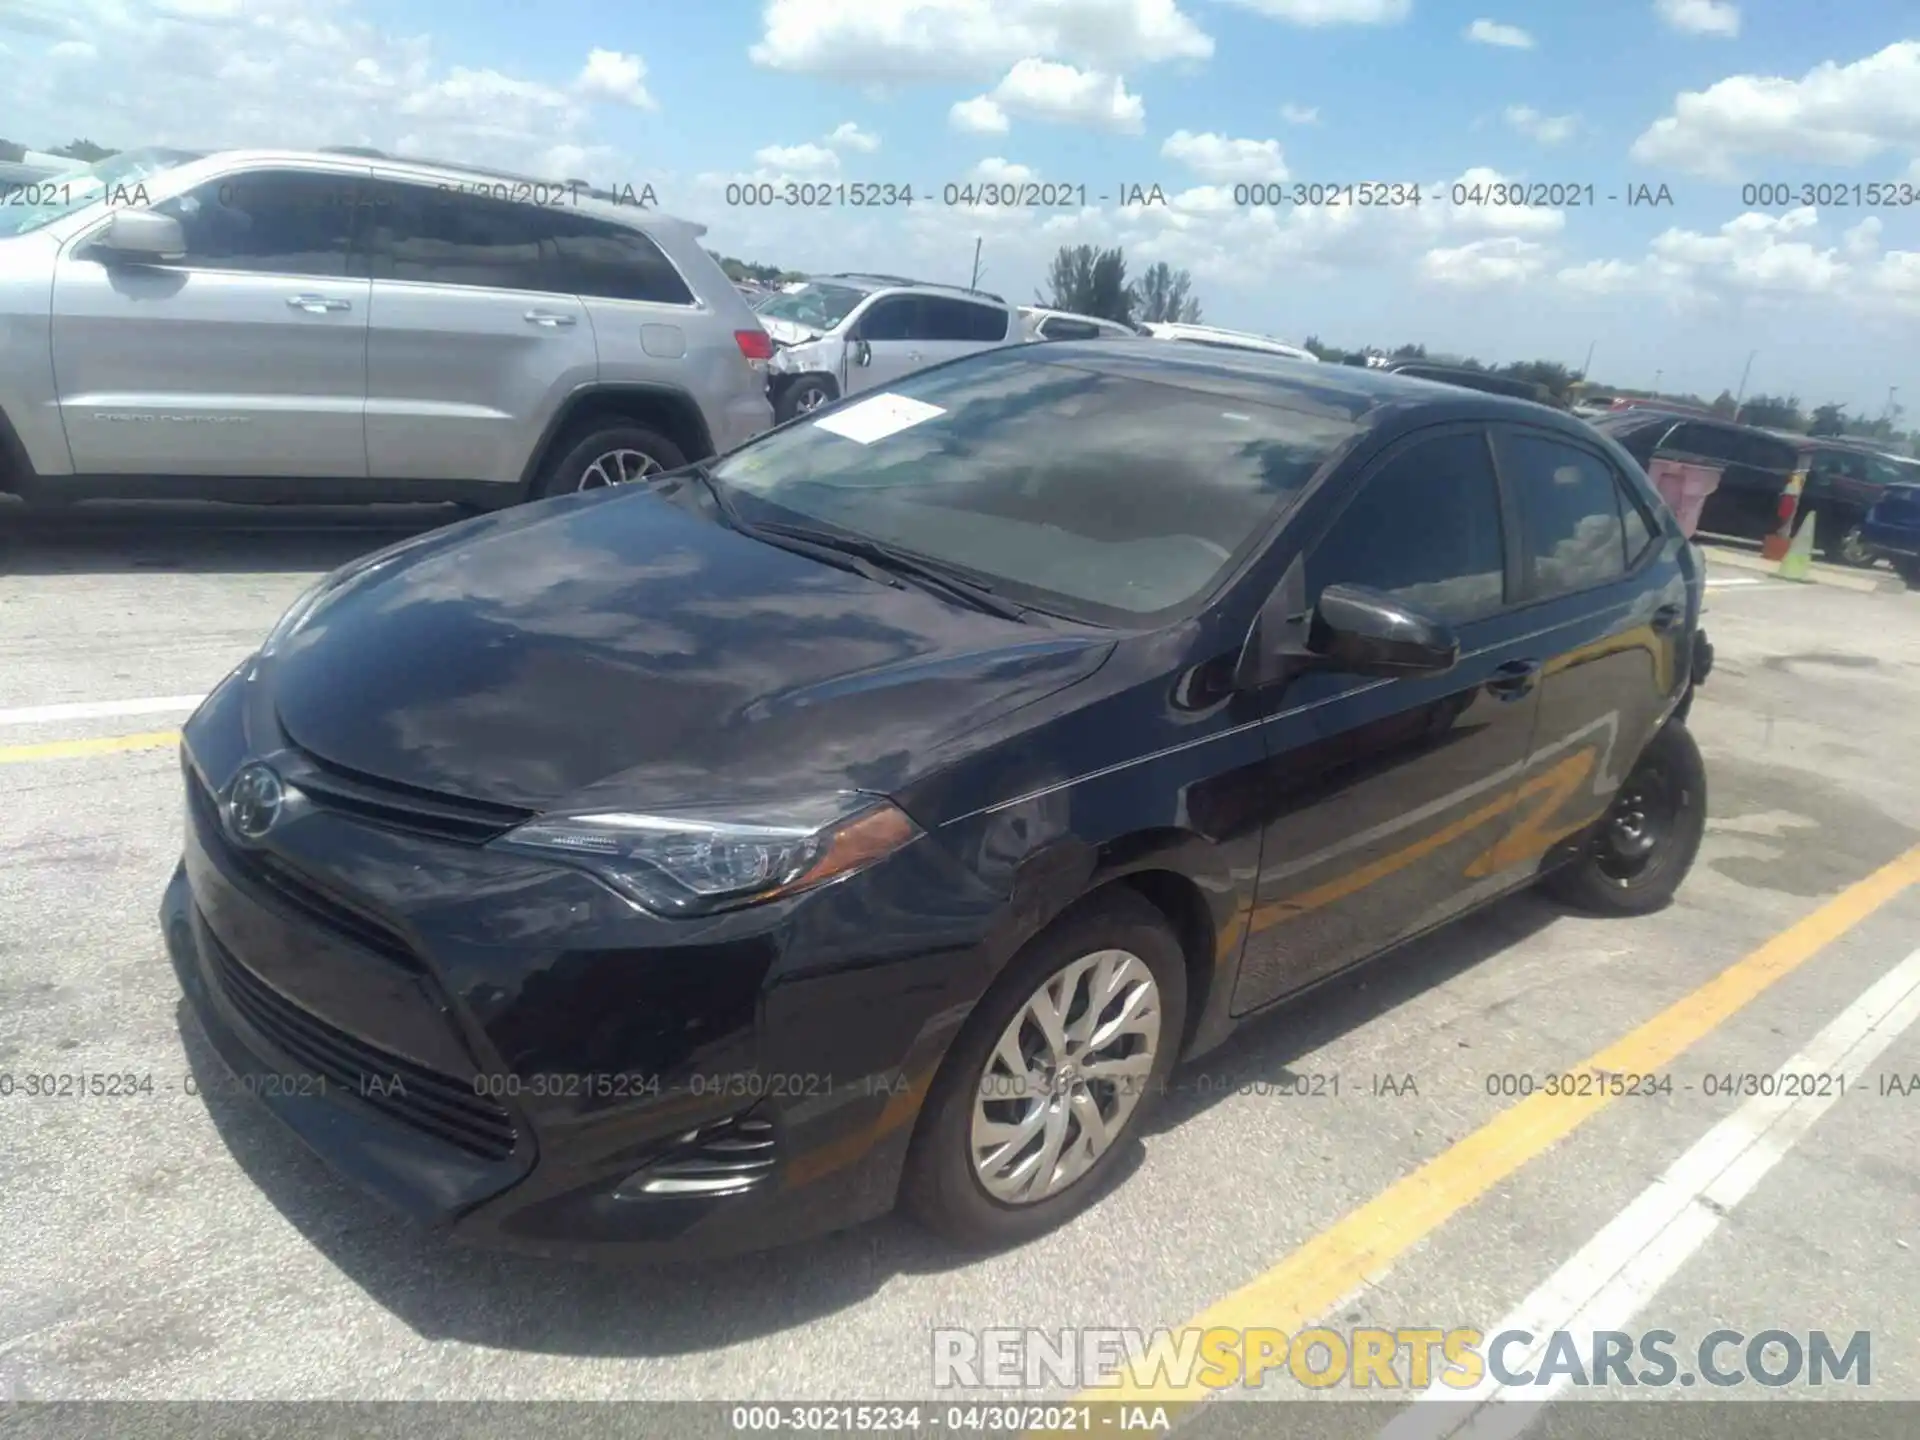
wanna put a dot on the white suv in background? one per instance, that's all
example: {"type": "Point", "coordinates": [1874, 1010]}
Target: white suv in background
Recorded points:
{"type": "Point", "coordinates": [1229, 340]}
{"type": "Point", "coordinates": [836, 335]}
{"type": "Point", "coordinates": [1044, 324]}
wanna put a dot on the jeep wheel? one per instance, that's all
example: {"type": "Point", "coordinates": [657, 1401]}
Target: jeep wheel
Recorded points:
{"type": "Point", "coordinates": [614, 454]}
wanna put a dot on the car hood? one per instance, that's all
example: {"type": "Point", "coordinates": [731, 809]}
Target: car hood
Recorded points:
{"type": "Point", "coordinates": [789, 332]}
{"type": "Point", "coordinates": [622, 649]}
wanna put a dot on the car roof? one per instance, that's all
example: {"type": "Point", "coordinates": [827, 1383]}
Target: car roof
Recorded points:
{"type": "Point", "coordinates": [1363, 396]}
{"type": "Point", "coordinates": [359, 159]}
{"type": "Point", "coordinates": [872, 283]}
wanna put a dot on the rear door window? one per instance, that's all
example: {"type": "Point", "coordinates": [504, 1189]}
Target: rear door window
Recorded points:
{"type": "Point", "coordinates": [1573, 537]}
{"type": "Point", "coordinates": [895, 317]}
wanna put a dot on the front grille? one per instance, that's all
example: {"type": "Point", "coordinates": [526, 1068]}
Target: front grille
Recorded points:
{"type": "Point", "coordinates": [727, 1158]}
{"type": "Point", "coordinates": [296, 890]}
{"type": "Point", "coordinates": [374, 800]}
{"type": "Point", "coordinates": [429, 1101]}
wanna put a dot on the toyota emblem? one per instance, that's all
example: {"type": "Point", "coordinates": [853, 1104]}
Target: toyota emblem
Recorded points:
{"type": "Point", "coordinates": [253, 801]}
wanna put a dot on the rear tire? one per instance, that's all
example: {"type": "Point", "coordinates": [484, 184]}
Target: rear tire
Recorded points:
{"type": "Point", "coordinates": [1852, 548]}
{"type": "Point", "coordinates": [803, 396]}
{"type": "Point", "coordinates": [945, 1186]}
{"type": "Point", "coordinates": [613, 452]}
{"type": "Point", "coordinates": [1636, 857]}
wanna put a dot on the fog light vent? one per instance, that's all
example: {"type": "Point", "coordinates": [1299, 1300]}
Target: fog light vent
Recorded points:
{"type": "Point", "coordinates": [726, 1158]}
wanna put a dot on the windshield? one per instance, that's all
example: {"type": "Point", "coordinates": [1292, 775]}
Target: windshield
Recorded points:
{"type": "Point", "coordinates": [117, 180]}
{"type": "Point", "coordinates": [1097, 495]}
{"type": "Point", "coordinates": [817, 306]}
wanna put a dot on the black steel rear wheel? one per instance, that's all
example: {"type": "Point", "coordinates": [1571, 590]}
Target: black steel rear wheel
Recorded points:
{"type": "Point", "coordinates": [1636, 857]}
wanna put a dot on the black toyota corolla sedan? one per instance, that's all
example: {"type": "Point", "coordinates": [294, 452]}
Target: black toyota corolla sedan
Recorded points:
{"type": "Point", "coordinates": [879, 812]}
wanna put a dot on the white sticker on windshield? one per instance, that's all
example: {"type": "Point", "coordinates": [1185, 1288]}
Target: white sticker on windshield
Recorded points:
{"type": "Point", "coordinates": [877, 418]}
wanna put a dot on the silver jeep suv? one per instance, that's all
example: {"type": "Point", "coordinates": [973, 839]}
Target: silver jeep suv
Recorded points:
{"type": "Point", "coordinates": [257, 325]}
{"type": "Point", "coordinates": [836, 335]}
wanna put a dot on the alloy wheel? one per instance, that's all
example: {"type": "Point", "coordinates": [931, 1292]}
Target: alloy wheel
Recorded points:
{"type": "Point", "coordinates": [1065, 1077]}
{"type": "Point", "coordinates": [617, 467]}
{"type": "Point", "coordinates": [810, 398]}
{"type": "Point", "coordinates": [1854, 549]}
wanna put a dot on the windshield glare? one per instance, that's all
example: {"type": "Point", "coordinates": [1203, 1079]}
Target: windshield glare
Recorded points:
{"type": "Point", "coordinates": [117, 180]}
{"type": "Point", "coordinates": [817, 306]}
{"type": "Point", "coordinates": [1096, 495]}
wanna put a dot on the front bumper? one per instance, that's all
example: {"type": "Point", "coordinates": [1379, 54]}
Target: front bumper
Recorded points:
{"type": "Point", "coordinates": [508, 1053]}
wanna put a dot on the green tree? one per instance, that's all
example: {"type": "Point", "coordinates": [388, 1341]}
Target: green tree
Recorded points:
{"type": "Point", "coordinates": [12, 153]}
{"type": "Point", "coordinates": [1724, 404]}
{"type": "Point", "coordinates": [1090, 282]}
{"type": "Point", "coordinates": [85, 151]}
{"type": "Point", "coordinates": [1774, 412]}
{"type": "Point", "coordinates": [1164, 293]}
{"type": "Point", "coordinates": [1550, 375]}
{"type": "Point", "coordinates": [1828, 420]}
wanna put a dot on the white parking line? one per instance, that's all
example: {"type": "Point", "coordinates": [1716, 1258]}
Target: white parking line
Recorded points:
{"type": "Point", "coordinates": [100, 709]}
{"type": "Point", "coordinates": [1722, 582]}
{"type": "Point", "coordinates": [1614, 1276]}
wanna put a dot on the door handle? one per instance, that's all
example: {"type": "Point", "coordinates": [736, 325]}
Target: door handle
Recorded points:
{"type": "Point", "coordinates": [550, 319]}
{"type": "Point", "coordinates": [1513, 679]}
{"type": "Point", "coordinates": [317, 304]}
{"type": "Point", "coordinates": [1666, 617]}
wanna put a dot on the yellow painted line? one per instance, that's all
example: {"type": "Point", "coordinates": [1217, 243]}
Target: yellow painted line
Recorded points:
{"type": "Point", "coordinates": [1362, 1247]}
{"type": "Point", "coordinates": [75, 749]}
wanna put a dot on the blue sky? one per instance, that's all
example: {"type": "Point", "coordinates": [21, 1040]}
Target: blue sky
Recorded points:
{"type": "Point", "coordinates": [1702, 96]}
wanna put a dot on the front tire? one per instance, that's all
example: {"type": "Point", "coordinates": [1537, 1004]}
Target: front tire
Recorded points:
{"type": "Point", "coordinates": [614, 453]}
{"type": "Point", "coordinates": [1633, 861]}
{"type": "Point", "coordinates": [1052, 1076]}
{"type": "Point", "coordinates": [1852, 548]}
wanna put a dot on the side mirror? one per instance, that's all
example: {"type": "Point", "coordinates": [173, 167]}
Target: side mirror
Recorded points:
{"type": "Point", "coordinates": [1364, 632]}
{"type": "Point", "coordinates": [142, 236]}
{"type": "Point", "coordinates": [862, 352]}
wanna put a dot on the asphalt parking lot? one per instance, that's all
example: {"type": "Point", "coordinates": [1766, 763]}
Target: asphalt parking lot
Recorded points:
{"type": "Point", "coordinates": [1366, 1158]}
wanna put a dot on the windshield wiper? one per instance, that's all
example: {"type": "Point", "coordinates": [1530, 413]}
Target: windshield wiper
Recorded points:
{"type": "Point", "coordinates": [799, 544]}
{"type": "Point", "coordinates": [930, 574]}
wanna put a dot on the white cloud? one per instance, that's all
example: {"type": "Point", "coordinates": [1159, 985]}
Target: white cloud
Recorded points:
{"type": "Point", "coordinates": [1217, 158]}
{"type": "Point", "coordinates": [851, 137]}
{"type": "Point", "coordinates": [1487, 211]}
{"type": "Point", "coordinates": [1315, 13]}
{"type": "Point", "coordinates": [1757, 252]}
{"type": "Point", "coordinates": [611, 75]}
{"type": "Point", "coordinates": [1700, 17]}
{"type": "Point", "coordinates": [1547, 129]}
{"type": "Point", "coordinates": [906, 40]}
{"type": "Point", "coordinates": [1004, 172]}
{"type": "Point", "coordinates": [1047, 90]}
{"type": "Point", "coordinates": [1300, 114]}
{"type": "Point", "coordinates": [1833, 115]}
{"type": "Point", "coordinates": [979, 116]}
{"type": "Point", "coordinates": [804, 159]}
{"type": "Point", "coordinates": [1492, 32]}
{"type": "Point", "coordinates": [1500, 260]}
{"type": "Point", "coordinates": [1862, 242]}
{"type": "Point", "coordinates": [302, 73]}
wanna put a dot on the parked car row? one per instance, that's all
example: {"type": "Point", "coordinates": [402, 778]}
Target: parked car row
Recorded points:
{"type": "Point", "coordinates": [1845, 479]}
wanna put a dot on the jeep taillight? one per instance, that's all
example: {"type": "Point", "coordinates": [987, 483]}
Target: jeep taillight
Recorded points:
{"type": "Point", "coordinates": [754, 344]}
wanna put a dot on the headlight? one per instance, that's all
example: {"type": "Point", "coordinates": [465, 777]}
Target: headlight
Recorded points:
{"type": "Point", "coordinates": [692, 862]}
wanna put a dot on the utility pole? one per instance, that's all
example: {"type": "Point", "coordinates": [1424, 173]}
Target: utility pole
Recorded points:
{"type": "Point", "coordinates": [1586, 366]}
{"type": "Point", "coordinates": [1740, 395]}
{"type": "Point", "coordinates": [1656, 380]}
{"type": "Point", "coordinates": [1887, 414]}
{"type": "Point", "coordinates": [974, 284]}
